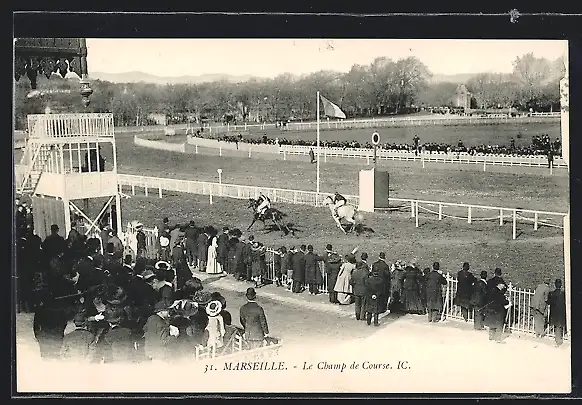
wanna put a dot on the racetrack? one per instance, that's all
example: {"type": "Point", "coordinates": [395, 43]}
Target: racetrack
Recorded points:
{"type": "Point", "coordinates": [485, 245]}
{"type": "Point", "coordinates": [471, 135]}
{"type": "Point", "coordinates": [523, 187]}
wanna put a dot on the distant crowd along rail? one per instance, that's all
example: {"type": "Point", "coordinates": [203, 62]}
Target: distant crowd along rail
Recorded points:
{"type": "Point", "coordinates": [467, 212]}
{"type": "Point", "coordinates": [519, 317]}
{"type": "Point", "coordinates": [483, 160]}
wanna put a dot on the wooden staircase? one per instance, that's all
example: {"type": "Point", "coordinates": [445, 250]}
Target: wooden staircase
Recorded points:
{"type": "Point", "coordinates": [34, 159]}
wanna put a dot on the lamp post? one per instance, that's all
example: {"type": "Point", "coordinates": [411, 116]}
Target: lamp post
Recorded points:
{"type": "Point", "coordinates": [219, 171]}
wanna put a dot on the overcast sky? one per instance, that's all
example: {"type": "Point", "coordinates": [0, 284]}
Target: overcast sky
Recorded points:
{"type": "Point", "coordinates": [270, 57]}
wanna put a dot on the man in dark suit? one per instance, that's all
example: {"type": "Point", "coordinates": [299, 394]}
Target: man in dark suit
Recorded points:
{"type": "Point", "coordinates": [464, 290]}
{"type": "Point", "coordinates": [333, 263]}
{"type": "Point", "coordinates": [222, 250]}
{"type": "Point", "coordinates": [191, 236]}
{"type": "Point", "coordinates": [240, 251]}
{"type": "Point", "coordinates": [434, 296]}
{"type": "Point", "coordinates": [381, 267]}
{"type": "Point", "coordinates": [493, 282]}
{"type": "Point", "coordinates": [358, 283]}
{"type": "Point", "coordinates": [253, 320]}
{"type": "Point", "coordinates": [479, 300]}
{"type": "Point", "coordinates": [313, 277]}
{"type": "Point", "coordinates": [202, 245]}
{"type": "Point", "coordinates": [247, 258]}
{"type": "Point", "coordinates": [54, 244]}
{"type": "Point", "coordinates": [299, 270]}
{"type": "Point", "coordinates": [557, 302]}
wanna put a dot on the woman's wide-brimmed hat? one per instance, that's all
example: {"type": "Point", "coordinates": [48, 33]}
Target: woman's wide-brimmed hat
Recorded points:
{"type": "Point", "coordinates": [147, 274]}
{"type": "Point", "coordinates": [117, 296]}
{"type": "Point", "coordinates": [202, 297]}
{"type": "Point", "coordinates": [113, 315]}
{"type": "Point", "coordinates": [213, 308]}
{"type": "Point", "coordinates": [162, 265]}
{"type": "Point", "coordinates": [138, 225]}
{"type": "Point", "coordinates": [185, 308]}
{"type": "Point", "coordinates": [164, 241]}
{"type": "Point", "coordinates": [161, 306]}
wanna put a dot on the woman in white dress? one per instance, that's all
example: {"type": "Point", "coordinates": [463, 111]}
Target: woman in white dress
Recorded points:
{"type": "Point", "coordinates": [212, 265]}
{"type": "Point", "coordinates": [215, 327]}
{"type": "Point", "coordinates": [342, 285]}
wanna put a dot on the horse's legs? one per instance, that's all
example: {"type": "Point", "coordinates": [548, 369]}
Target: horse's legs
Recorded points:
{"type": "Point", "coordinates": [352, 222]}
{"type": "Point", "coordinates": [252, 223]}
{"type": "Point", "coordinates": [339, 225]}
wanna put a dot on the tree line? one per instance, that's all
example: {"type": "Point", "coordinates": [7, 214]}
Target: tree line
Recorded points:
{"type": "Point", "coordinates": [381, 88]}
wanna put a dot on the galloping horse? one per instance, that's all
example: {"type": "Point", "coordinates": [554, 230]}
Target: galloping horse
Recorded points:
{"type": "Point", "coordinates": [272, 213]}
{"type": "Point", "coordinates": [346, 212]}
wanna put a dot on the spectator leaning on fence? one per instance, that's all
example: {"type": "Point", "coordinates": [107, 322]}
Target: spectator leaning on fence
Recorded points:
{"type": "Point", "coordinates": [538, 305]}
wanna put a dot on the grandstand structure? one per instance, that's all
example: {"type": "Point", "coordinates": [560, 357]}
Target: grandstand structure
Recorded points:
{"type": "Point", "coordinates": [62, 169]}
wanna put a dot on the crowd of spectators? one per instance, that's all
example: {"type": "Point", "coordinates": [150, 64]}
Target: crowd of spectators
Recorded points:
{"type": "Point", "coordinates": [109, 305]}
{"type": "Point", "coordinates": [373, 288]}
{"type": "Point", "coordinates": [540, 145]}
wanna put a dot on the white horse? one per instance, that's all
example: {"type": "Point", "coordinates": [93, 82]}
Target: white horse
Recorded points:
{"type": "Point", "coordinates": [346, 212]}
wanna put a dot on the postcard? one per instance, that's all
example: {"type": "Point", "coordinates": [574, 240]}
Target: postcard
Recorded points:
{"type": "Point", "coordinates": [291, 215]}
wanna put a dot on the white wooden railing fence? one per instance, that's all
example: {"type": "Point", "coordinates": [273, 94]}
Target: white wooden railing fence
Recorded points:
{"type": "Point", "coordinates": [439, 209]}
{"type": "Point", "coordinates": [422, 157]}
{"type": "Point", "coordinates": [519, 318]}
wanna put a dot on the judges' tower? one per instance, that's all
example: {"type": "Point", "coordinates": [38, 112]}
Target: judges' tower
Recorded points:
{"type": "Point", "coordinates": [69, 158]}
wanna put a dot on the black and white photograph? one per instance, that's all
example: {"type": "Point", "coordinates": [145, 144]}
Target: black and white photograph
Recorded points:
{"type": "Point", "coordinates": [279, 215]}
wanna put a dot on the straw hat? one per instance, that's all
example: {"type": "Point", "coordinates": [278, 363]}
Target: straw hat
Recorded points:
{"type": "Point", "coordinates": [162, 265]}
{"type": "Point", "coordinates": [213, 308]}
{"type": "Point", "coordinates": [148, 273]}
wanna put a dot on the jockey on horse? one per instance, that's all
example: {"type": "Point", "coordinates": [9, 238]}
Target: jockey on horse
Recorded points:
{"type": "Point", "coordinates": [263, 204]}
{"type": "Point", "coordinates": [338, 201]}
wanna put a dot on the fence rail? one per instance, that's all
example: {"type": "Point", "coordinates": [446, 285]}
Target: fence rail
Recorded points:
{"type": "Point", "coordinates": [435, 209]}
{"type": "Point", "coordinates": [453, 157]}
{"type": "Point", "coordinates": [519, 317]}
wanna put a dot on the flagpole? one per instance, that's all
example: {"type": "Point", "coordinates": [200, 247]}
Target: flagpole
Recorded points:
{"type": "Point", "coordinates": [317, 195]}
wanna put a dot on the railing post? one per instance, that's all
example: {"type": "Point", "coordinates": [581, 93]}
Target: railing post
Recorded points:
{"type": "Point", "coordinates": [196, 149]}
{"type": "Point", "coordinates": [416, 214]}
{"type": "Point", "coordinates": [500, 217]}
{"type": "Point", "coordinates": [484, 164]}
{"type": "Point", "coordinates": [146, 190]}
{"type": "Point", "coordinates": [160, 190]}
{"type": "Point", "coordinates": [536, 221]}
{"type": "Point", "coordinates": [210, 193]}
{"type": "Point", "coordinates": [514, 224]}
{"type": "Point", "coordinates": [284, 154]}
{"type": "Point", "coordinates": [368, 160]}
{"type": "Point", "coordinates": [249, 150]}
{"type": "Point", "coordinates": [440, 212]}
{"type": "Point", "coordinates": [469, 215]}
{"type": "Point", "coordinates": [133, 189]}
{"type": "Point", "coordinates": [412, 209]}
{"type": "Point", "coordinates": [220, 151]}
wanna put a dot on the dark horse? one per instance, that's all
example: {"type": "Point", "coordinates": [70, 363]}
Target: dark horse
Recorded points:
{"type": "Point", "coordinates": [272, 213]}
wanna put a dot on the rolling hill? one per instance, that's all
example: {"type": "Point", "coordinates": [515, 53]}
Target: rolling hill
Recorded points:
{"type": "Point", "coordinates": [136, 77]}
